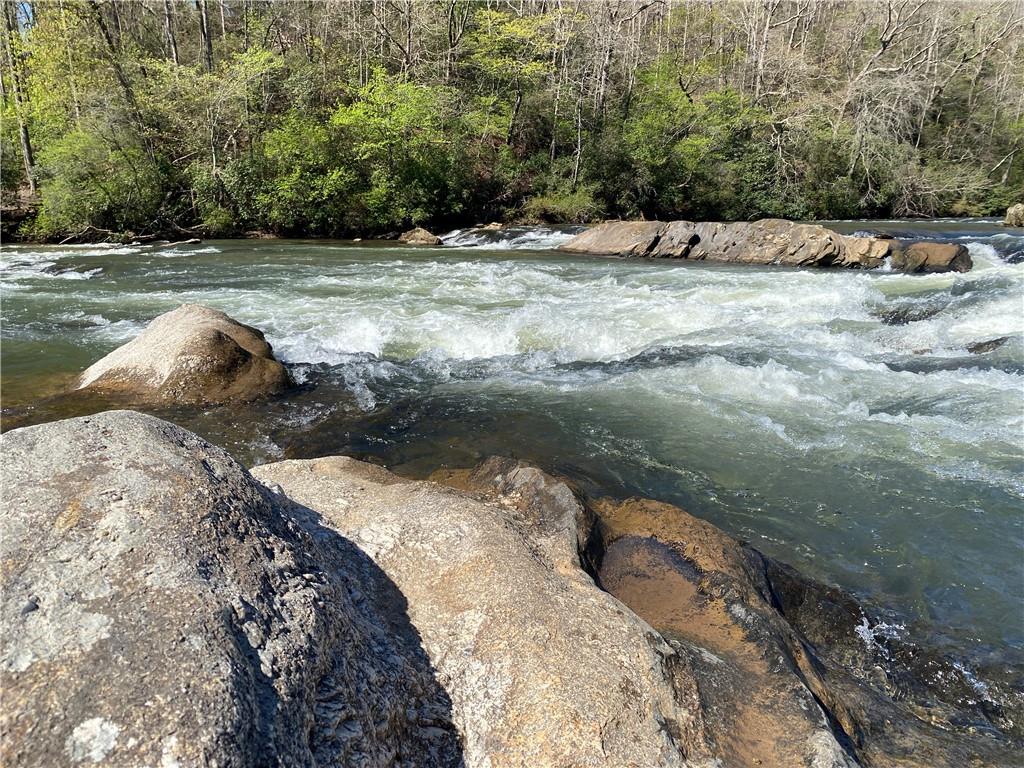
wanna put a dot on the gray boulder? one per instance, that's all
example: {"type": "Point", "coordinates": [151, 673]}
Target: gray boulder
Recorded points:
{"type": "Point", "coordinates": [543, 668]}
{"type": "Point", "coordinates": [192, 354]}
{"type": "Point", "coordinates": [160, 607]}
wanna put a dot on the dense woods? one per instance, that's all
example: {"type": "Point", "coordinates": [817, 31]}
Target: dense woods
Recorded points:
{"type": "Point", "coordinates": [348, 118]}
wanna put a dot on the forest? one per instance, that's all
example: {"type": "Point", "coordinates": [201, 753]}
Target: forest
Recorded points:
{"type": "Point", "coordinates": [343, 119]}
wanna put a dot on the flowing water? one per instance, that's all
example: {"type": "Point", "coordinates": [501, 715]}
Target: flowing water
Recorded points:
{"type": "Point", "coordinates": [835, 419]}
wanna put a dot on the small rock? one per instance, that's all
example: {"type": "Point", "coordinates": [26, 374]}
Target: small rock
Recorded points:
{"type": "Point", "coordinates": [1015, 216]}
{"type": "Point", "coordinates": [419, 236]}
{"type": "Point", "coordinates": [981, 347]}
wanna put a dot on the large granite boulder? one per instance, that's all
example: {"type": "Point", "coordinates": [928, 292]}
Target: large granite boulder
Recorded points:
{"type": "Point", "coordinates": [1015, 216]}
{"type": "Point", "coordinates": [192, 354]}
{"type": "Point", "coordinates": [419, 236]}
{"type": "Point", "coordinates": [768, 241]}
{"type": "Point", "coordinates": [543, 668]}
{"type": "Point", "coordinates": [160, 607]}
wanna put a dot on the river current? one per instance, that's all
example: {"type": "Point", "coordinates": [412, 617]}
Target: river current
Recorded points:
{"type": "Point", "coordinates": [834, 419]}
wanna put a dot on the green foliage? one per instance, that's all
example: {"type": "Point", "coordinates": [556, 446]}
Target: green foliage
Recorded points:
{"type": "Point", "coordinates": [88, 182]}
{"type": "Point", "coordinates": [398, 132]}
{"type": "Point", "coordinates": [330, 119]}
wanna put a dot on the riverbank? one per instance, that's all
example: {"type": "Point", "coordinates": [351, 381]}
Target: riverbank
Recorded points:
{"type": "Point", "coordinates": [15, 219]}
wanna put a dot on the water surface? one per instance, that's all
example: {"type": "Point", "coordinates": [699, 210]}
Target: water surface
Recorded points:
{"type": "Point", "coordinates": [835, 419]}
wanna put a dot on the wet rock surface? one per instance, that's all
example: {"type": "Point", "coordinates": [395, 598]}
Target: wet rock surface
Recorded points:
{"type": "Point", "coordinates": [932, 257]}
{"type": "Point", "coordinates": [779, 659]}
{"type": "Point", "coordinates": [767, 241]}
{"type": "Point", "coordinates": [160, 607]}
{"type": "Point", "coordinates": [982, 347]}
{"type": "Point", "coordinates": [193, 354]}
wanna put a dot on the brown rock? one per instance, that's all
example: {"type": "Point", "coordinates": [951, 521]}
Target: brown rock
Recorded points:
{"type": "Point", "coordinates": [617, 238]}
{"type": "Point", "coordinates": [192, 354]}
{"type": "Point", "coordinates": [419, 236]}
{"type": "Point", "coordinates": [932, 257]}
{"type": "Point", "coordinates": [756, 710]}
{"type": "Point", "coordinates": [768, 241]}
{"type": "Point", "coordinates": [775, 655]}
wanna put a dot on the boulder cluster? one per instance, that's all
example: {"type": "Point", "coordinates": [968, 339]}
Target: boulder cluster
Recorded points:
{"type": "Point", "coordinates": [161, 605]}
{"type": "Point", "coordinates": [768, 241]}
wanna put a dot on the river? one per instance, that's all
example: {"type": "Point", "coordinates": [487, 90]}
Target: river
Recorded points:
{"type": "Point", "coordinates": [834, 419]}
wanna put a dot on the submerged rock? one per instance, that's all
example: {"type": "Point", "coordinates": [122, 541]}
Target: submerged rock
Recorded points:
{"type": "Point", "coordinates": [419, 236]}
{"type": "Point", "coordinates": [192, 354]}
{"type": "Point", "coordinates": [768, 241]}
{"type": "Point", "coordinates": [981, 347]}
{"type": "Point", "coordinates": [932, 257]}
{"type": "Point", "coordinates": [160, 607]}
{"type": "Point", "coordinates": [1015, 216]}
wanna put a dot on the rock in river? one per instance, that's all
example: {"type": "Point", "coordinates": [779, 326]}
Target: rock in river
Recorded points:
{"type": "Point", "coordinates": [1015, 216]}
{"type": "Point", "coordinates": [768, 241]}
{"type": "Point", "coordinates": [192, 354]}
{"type": "Point", "coordinates": [932, 257]}
{"type": "Point", "coordinates": [419, 236]}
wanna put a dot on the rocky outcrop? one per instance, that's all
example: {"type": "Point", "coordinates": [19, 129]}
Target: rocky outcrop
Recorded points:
{"type": "Point", "coordinates": [419, 236]}
{"type": "Point", "coordinates": [1015, 216]}
{"type": "Point", "coordinates": [543, 668]}
{"type": "Point", "coordinates": [775, 656]}
{"type": "Point", "coordinates": [160, 607]}
{"type": "Point", "coordinates": [192, 354]}
{"type": "Point", "coordinates": [768, 241]}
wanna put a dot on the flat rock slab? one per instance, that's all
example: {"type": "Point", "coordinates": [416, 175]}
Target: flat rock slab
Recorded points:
{"type": "Point", "coordinates": [193, 354]}
{"type": "Point", "coordinates": [767, 241]}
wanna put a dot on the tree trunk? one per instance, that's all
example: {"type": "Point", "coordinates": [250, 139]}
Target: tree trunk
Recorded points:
{"type": "Point", "coordinates": [13, 66]}
{"type": "Point", "coordinates": [204, 32]}
{"type": "Point", "coordinates": [172, 41]}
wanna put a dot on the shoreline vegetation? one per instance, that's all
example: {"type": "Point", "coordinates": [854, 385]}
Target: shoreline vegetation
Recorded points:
{"type": "Point", "coordinates": [185, 119]}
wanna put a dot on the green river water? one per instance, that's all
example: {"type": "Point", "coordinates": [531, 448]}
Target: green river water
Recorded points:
{"type": "Point", "coordinates": [834, 419]}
